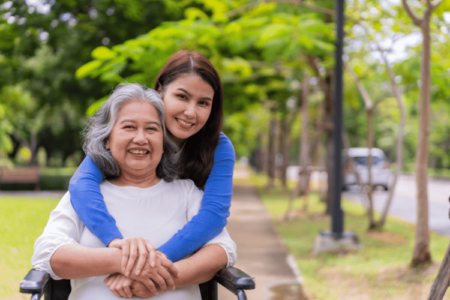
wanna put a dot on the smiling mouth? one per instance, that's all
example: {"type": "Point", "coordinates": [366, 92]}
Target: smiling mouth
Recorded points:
{"type": "Point", "coordinates": [184, 123]}
{"type": "Point", "coordinates": [141, 152]}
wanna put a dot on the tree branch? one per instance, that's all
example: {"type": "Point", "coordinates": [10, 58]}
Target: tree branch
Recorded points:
{"type": "Point", "coordinates": [416, 20]}
{"type": "Point", "coordinates": [365, 95]}
{"type": "Point", "coordinates": [249, 6]}
{"type": "Point", "coordinates": [435, 3]}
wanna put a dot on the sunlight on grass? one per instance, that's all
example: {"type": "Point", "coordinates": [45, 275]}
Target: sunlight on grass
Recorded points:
{"type": "Point", "coordinates": [379, 271]}
{"type": "Point", "coordinates": [22, 220]}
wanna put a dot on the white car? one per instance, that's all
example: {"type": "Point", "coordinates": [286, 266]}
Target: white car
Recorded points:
{"type": "Point", "coordinates": [356, 160]}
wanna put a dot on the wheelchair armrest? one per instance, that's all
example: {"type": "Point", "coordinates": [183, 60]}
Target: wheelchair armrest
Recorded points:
{"type": "Point", "coordinates": [35, 282]}
{"type": "Point", "coordinates": [234, 279]}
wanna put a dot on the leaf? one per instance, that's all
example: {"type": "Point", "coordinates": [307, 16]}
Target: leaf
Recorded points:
{"type": "Point", "coordinates": [103, 53]}
{"type": "Point", "coordinates": [94, 107]}
{"type": "Point", "coordinates": [193, 13]}
{"type": "Point", "coordinates": [86, 69]}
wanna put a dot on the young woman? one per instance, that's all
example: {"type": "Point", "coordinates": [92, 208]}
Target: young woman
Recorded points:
{"type": "Point", "coordinates": [193, 97]}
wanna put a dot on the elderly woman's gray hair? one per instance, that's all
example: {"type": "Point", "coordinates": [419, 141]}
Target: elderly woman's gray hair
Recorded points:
{"type": "Point", "coordinates": [100, 125]}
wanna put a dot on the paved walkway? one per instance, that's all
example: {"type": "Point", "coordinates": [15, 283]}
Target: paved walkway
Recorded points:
{"type": "Point", "coordinates": [261, 252]}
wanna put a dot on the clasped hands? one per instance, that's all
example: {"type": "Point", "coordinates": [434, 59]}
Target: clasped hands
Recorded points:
{"type": "Point", "coordinates": [145, 270]}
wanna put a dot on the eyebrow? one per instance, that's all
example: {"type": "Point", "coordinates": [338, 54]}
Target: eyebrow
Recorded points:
{"type": "Point", "coordinates": [189, 94]}
{"type": "Point", "coordinates": [132, 121]}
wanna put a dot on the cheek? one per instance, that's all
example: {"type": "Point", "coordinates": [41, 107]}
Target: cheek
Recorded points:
{"type": "Point", "coordinates": [205, 115]}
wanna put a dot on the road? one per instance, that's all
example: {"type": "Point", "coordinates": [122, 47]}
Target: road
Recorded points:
{"type": "Point", "coordinates": [404, 203]}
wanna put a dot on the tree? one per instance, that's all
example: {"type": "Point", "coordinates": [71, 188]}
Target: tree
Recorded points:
{"type": "Point", "coordinates": [421, 254]}
{"type": "Point", "coordinates": [43, 49]}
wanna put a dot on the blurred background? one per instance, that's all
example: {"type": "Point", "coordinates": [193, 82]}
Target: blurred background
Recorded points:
{"type": "Point", "coordinates": [59, 60]}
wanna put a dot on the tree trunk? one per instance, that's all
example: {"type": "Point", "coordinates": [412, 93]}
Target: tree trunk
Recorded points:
{"type": "Point", "coordinates": [284, 150]}
{"type": "Point", "coordinates": [258, 157]}
{"type": "Point", "coordinates": [442, 280]}
{"type": "Point", "coordinates": [421, 254]}
{"type": "Point", "coordinates": [369, 167]}
{"type": "Point", "coordinates": [329, 161]}
{"type": "Point", "coordinates": [271, 152]}
{"type": "Point", "coordinates": [33, 149]}
{"type": "Point", "coordinates": [326, 84]}
{"type": "Point", "coordinates": [304, 162]}
{"type": "Point", "coordinates": [368, 104]}
{"type": "Point", "coordinates": [399, 146]}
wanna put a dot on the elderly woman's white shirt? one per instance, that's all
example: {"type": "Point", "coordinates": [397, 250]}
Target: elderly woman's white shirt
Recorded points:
{"type": "Point", "coordinates": [155, 213]}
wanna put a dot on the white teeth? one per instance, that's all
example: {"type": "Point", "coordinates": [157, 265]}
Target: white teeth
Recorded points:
{"type": "Point", "coordinates": [184, 123]}
{"type": "Point", "coordinates": [138, 151]}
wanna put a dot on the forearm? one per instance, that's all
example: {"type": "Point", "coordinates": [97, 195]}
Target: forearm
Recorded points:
{"type": "Point", "coordinates": [76, 261]}
{"type": "Point", "coordinates": [202, 266]}
{"type": "Point", "coordinates": [88, 202]}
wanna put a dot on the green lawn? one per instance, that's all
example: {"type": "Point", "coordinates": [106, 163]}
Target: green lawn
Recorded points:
{"type": "Point", "coordinates": [379, 271]}
{"type": "Point", "coordinates": [22, 220]}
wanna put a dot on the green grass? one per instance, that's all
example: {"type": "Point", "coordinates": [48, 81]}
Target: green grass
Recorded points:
{"type": "Point", "coordinates": [379, 271]}
{"type": "Point", "coordinates": [22, 220]}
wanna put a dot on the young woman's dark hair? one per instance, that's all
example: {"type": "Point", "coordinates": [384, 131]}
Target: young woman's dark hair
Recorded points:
{"type": "Point", "coordinates": [197, 157]}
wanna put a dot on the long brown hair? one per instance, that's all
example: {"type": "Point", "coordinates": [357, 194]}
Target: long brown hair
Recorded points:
{"type": "Point", "coordinates": [197, 157]}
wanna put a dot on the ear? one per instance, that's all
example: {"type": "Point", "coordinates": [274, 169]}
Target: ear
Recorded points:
{"type": "Point", "coordinates": [107, 147]}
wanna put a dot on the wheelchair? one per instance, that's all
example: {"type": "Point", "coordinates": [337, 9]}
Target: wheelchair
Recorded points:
{"type": "Point", "coordinates": [39, 283]}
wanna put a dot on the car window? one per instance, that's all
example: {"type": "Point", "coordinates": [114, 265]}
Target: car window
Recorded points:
{"type": "Point", "coordinates": [362, 160]}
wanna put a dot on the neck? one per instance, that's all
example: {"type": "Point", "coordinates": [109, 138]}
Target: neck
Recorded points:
{"type": "Point", "coordinates": [179, 142]}
{"type": "Point", "coordinates": [136, 179]}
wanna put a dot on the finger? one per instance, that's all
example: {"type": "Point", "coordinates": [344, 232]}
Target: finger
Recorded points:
{"type": "Point", "coordinates": [150, 285]}
{"type": "Point", "coordinates": [116, 243]}
{"type": "Point", "coordinates": [107, 280]}
{"type": "Point", "coordinates": [121, 287]}
{"type": "Point", "coordinates": [160, 282]}
{"type": "Point", "coordinates": [152, 251]}
{"type": "Point", "coordinates": [132, 257]}
{"type": "Point", "coordinates": [168, 278]}
{"type": "Point", "coordinates": [126, 287]}
{"type": "Point", "coordinates": [169, 265]}
{"type": "Point", "coordinates": [113, 287]}
{"type": "Point", "coordinates": [143, 255]}
{"type": "Point", "coordinates": [125, 254]}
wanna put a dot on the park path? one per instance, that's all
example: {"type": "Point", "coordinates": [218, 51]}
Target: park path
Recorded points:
{"type": "Point", "coordinates": [261, 252]}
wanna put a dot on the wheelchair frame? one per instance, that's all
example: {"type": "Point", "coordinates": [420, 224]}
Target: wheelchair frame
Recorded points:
{"type": "Point", "coordinates": [39, 283]}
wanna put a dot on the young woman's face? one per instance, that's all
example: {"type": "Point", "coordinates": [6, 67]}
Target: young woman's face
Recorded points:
{"type": "Point", "coordinates": [188, 101]}
{"type": "Point", "coordinates": [136, 140]}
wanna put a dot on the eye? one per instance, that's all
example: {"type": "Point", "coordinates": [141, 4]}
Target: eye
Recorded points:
{"type": "Point", "coordinates": [128, 126]}
{"type": "Point", "coordinates": [182, 96]}
{"type": "Point", "coordinates": [203, 103]}
{"type": "Point", "coordinates": [152, 128]}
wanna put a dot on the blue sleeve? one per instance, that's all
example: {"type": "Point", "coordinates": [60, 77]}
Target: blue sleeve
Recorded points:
{"type": "Point", "coordinates": [88, 202]}
{"type": "Point", "coordinates": [216, 202]}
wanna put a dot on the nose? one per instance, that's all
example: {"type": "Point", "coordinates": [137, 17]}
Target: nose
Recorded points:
{"type": "Point", "coordinates": [190, 110]}
{"type": "Point", "coordinates": [139, 138]}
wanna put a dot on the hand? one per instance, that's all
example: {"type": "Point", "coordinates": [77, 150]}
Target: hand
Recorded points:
{"type": "Point", "coordinates": [133, 248]}
{"type": "Point", "coordinates": [141, 291]}
{"type": "Point", "coordinates": [119, 285]}
{"type": "Point", "coordinates": [162, 274]}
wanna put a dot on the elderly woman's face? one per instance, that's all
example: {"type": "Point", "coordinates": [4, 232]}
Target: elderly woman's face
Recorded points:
{"type": "Point", "coordinates": [136, 140]}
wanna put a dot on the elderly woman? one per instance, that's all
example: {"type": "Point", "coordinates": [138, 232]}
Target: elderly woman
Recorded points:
{"type": "Point", "coordinates": [127, 140]}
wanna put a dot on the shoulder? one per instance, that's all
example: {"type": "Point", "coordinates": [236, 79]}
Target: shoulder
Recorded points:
{"type": "Point", "coordinates": [186, 185]}
{"type": "Point", "coordinates": [225, 149]}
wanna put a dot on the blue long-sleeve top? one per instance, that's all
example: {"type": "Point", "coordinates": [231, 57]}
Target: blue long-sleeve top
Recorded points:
{"type": "Point", "coordinates": [89, 204]}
